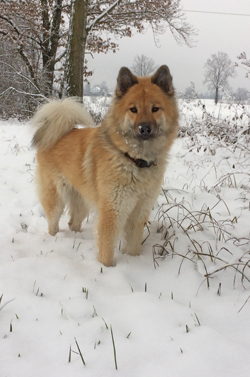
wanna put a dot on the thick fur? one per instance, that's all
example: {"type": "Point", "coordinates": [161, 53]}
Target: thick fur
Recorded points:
{"type": "Point", "coordinates": [86, 167]}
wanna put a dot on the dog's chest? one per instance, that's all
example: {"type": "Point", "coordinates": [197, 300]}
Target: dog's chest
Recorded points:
{"type": "Point", "coordinates": [133, 186]}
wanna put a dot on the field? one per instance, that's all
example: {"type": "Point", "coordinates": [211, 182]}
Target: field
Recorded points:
{"type": "Point", "coordinates": [180, 309]}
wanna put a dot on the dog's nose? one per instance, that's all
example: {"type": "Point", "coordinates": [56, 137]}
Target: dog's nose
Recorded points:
{"type": "Point", "coordinates": [145, 131]}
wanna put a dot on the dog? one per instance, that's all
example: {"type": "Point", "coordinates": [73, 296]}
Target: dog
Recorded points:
{"type": "Point", "coordinates": [117, 167]}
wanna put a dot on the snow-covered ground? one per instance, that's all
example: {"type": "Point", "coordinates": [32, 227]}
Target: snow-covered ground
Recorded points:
{"type": "Point", "coordinates": [59, 304]}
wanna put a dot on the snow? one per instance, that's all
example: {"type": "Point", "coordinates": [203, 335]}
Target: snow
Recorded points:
{"type": "Point", "coordinates": [165, 320]}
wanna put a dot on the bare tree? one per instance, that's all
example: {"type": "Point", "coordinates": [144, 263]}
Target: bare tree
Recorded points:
{"type": "Point", "coordinates": [143, 66]}
{"type": "Point", "coordinates": [190, 93]}
{"type": "Point", "coordinates": [242, 94]}
{"type": "Point", "coordinates": [244, 63]}
{"type": "Point", "coordinates": [218, 69]}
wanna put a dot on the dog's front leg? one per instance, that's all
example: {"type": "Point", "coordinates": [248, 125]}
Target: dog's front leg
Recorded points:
{"type": "Point", "coordinates": [106, 235]}
{"type": "Point", "coordinates": [134, 228]}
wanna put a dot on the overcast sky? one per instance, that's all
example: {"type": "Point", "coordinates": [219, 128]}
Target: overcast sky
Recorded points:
{"type": "Point", "coordinates": [216, 32]}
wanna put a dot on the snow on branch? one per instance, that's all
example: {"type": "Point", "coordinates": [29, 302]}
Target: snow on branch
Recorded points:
{"type": "Point", "coordinates": [102, 15]}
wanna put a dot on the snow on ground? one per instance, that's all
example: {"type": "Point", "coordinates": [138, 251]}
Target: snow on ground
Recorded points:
{"type": "Point", "coordinates": [55, 295]}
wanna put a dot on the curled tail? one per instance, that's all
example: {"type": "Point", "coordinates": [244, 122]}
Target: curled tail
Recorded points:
{"type": "Point", "coordinates": [55, 119]}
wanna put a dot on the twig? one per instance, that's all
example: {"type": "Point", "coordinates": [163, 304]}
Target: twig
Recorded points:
{"type": "Point", "coordinates": [113, 342]}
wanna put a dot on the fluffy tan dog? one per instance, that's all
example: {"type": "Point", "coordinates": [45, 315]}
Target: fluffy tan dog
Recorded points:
{"type": "Point", "coordinates": [117, 167]}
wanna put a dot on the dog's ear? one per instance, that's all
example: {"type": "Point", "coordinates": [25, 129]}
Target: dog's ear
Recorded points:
{"type": "Point", "coordinates": [163, 79]}
{"type": "Point", "coordinates": [125, 81]}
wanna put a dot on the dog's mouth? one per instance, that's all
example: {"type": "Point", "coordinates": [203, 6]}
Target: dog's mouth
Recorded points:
{"type": "Point", "coordinates": [145, 137]}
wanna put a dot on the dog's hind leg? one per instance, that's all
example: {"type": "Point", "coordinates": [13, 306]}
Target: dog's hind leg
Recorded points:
{"type": "Point", "coordinates": [52, 203]}
{"type": "Point", "coordinates": [55, 215]}
{"type": "Point", "coordinates": [78, 210]}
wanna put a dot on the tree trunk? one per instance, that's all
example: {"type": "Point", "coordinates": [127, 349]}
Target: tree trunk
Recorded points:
{"type": "Point", "coordinates": [216, 95]}
{"type": "Point", "coordinates": [76, 49]}
{"type": "Point", "coordinates": [45, 45]}
{"type": "Point", "coordinates": [50, 43]}
{"type": "Point", "coordinates": [54, 40]}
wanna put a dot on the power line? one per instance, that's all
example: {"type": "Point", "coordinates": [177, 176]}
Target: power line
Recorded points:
{"type": "Point", "coordinates": [227, 14]}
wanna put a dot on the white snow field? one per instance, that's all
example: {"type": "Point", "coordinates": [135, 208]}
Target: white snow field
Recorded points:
{"type": "Point", "coordinates": [181, 309]}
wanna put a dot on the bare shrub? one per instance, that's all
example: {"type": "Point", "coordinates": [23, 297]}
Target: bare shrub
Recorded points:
{"type": "Point", "coordinates": [204, 237]}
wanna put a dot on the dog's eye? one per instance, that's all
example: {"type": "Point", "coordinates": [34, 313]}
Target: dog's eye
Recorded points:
{"type": "Point", "coordinates": [133, 110]}
{"type": "Point", "coordinates": [155, 109]}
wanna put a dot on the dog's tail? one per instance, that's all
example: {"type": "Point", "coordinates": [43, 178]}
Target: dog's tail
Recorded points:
{"type": "Point", "coordinates": [55, 119]}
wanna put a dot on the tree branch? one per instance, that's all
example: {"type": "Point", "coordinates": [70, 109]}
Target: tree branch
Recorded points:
{"type": "Point", "coordinates": [19, 74]}
{"type": "Point", "coordinates": [101, 16]}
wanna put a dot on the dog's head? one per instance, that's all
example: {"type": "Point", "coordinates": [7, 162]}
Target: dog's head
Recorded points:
{"type": "Point", "coordinates": [144, 109]}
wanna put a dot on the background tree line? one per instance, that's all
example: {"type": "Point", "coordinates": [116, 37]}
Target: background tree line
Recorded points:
{"type": "Point", "coordinates": [44, 43]}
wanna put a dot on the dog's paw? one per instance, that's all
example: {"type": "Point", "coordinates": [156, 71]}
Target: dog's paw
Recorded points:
{"type": "Point", "coordinates": [74, 227]}
{"type": "Point", "coordinates": [106, 261]}
{"type": "Point", "coordinates": [53, 230]}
